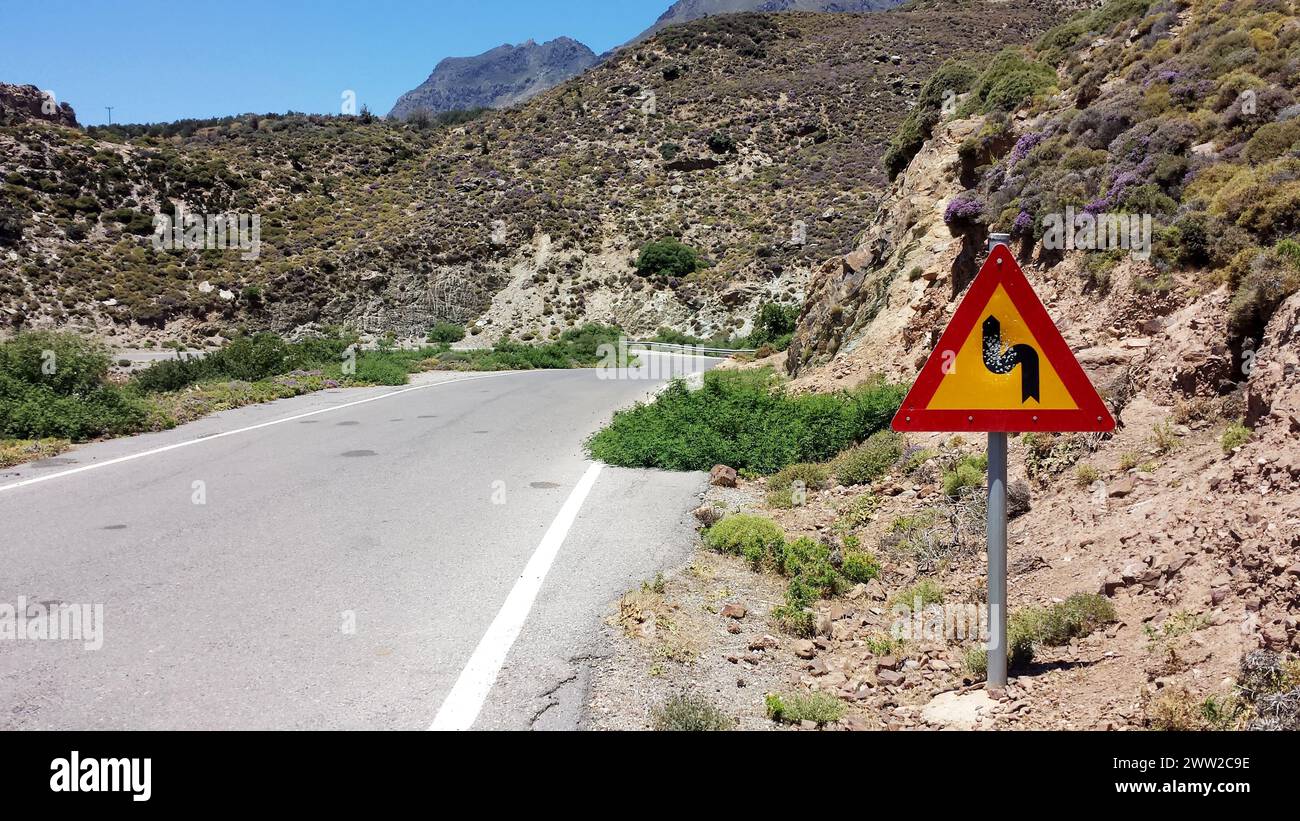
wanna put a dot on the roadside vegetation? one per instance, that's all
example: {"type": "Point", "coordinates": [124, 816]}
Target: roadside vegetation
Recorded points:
{"type": "Point", "coordinates": [690, 713]}
{"type": "Point", "coordinates": [57, 389]}
{"type": "Point", "coordinates": [813, 570]}
{"type": "Point", "coordinates": [773, 329]}
{"type": "Point", "coordinates": [1266, 696]}
{"type": "Point", "coordinates": [744, 419]}
{"type": "Point", "coordinates": [819, 708]}
{"type": "Point", "coordinates": [1032, 627]}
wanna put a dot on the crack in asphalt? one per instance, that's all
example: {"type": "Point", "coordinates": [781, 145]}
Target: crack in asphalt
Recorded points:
{"type": "Point", "coordinates": [572, 677]}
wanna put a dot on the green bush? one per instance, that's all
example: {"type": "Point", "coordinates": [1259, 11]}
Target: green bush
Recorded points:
{"type": "Point", "coordinates": [667, 258]}
{"type": "Point", "coordinates": [859, 513]}
{"type": "Point", "coordinates": [814, 477]}
{"type": "Point", "coordinates": [54, 385]}
{"type": "Point", "coordinates": [66, 363]}
{"type": "Point", "coordinates": [967, 473]}
{"type": "Point", "coordinates": [745, 420]}
{"type": "Point", "coordinates": [690, 714]}
{"type": "Point", "coordinates": [376, 368]}
{"type": "Point", "coordinates": [1235, 436]}
{"type": "Point", "coordinates": [928, 591]}
{"type": "Point", "coordinates": [575, 348]}
{"type": "Point", "coordinates": [951, 78]}
{"type": "Point", "coordinates": [1009, 81]}
{"type": "Point", "coordinates": [1076, 617]}
{"type": "Point", "coordinates": [820, 708]}
{"type": "Point", "coordinates": [774, 326]}
{"type": "Point", "coordinates": [251, 358]}
{"type": "Point", "coordinates": [721, 143]}
{"type": "Point", "coordinates": [860, 567]}
{"type": "Point", "coordinates": [755, 538]}
{"type": "Point", "coordinates": [446, 333]}
{"type": "Point", "coordinates": [869, 461]}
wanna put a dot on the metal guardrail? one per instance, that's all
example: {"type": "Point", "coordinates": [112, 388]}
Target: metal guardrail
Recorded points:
{"type": "Point", "coordinates": [689, 349]}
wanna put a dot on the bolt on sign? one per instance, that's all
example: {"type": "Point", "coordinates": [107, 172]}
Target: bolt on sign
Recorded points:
{"type": "Point", "coordinates": [1002, 366]}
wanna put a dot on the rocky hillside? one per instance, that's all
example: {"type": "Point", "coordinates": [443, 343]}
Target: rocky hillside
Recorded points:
{"type": "Point", "coordinates": [684, 11]}
{"type": "Point", "coordinates": [1187, 518]}
{"type": "Point", "coordinates": [1185, 112]}
{"type": "Point", "coordinates": [504, 76]}
{"type": "Point", "coordinates": [755, 139]}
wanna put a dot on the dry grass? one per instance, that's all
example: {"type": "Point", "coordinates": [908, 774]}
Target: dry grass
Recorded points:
{"type": "Point", "coordinates": [21, 451]}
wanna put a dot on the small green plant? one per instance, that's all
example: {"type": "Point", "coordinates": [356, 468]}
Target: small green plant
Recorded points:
{"type": "Point", "coordinates": [869, 461]}
{"type": "Point", "coordinates": [926, 591]}
{"type": "Point", "coordinates": [690, 713]}
{"type": "Point", "coordinates": [757, 539]}
{"type": "Point", "coordinates": [1177, 710]}
{"type": "Point", "coordinates": [1086, 475]}
{"type": "Point", "coordinates": [1164, 438]}
{"type": "Point", "coordinates": [912, 535]}
{"type": "Point", "coordinates": [883, 644]}
{"type": "Point", "coordinates": [1235, 436]}
{"type": "Point", "coordinates": [1179, 624]}
{"type": "Point", "coordinates": [1076, 617]}
{"type": "Point", "coordinates": [819, 708]}
{"type": "Point", "coordinates": [809, 477]}
{"type": "Point", "coordinates": [858, 513]}
{"type": "Point", "coordinates": [1032, 627]}
{"type": "Point", "coordinates": [917, 460]}
{"type": "Point", "coordinates": [860, 567]}
{"type": "Point", "coordinates": [968, 472]}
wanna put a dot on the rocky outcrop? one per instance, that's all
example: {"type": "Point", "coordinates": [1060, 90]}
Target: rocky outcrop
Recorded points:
{"type": "Point", "coordinates": [500, 78]}
{"type": "Point", "coordinates": [18, 103]}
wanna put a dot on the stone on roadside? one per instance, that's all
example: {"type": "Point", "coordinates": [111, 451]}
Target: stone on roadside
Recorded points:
{"type": "Point", "coordinates": [708, 515]}
{"type": "Point", "coordinates": [723, 476]}
{"type": "Point", "coordinates": [734, 611]}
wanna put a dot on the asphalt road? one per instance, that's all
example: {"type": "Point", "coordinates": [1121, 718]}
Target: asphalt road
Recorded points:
{"type": "Point", "coordinates": [347, 563]}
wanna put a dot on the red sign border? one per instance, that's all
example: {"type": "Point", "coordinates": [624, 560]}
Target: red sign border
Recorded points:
{"type": "Point", "coordinates": [1001, 268]}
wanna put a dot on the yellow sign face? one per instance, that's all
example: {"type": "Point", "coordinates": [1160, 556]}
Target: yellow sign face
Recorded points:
{"type": "Point", "coordinates": [1000, 341]}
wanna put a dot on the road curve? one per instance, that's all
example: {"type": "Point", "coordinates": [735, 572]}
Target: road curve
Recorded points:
{"type": "Point", "coordinates": [333, 561]}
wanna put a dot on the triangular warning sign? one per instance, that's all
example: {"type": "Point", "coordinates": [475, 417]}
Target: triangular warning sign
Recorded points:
{"type": "Point", "coordinates": [1002, 366]}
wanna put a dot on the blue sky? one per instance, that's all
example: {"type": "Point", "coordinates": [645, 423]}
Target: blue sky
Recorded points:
{"type": "Point", "coordinates": [164, 61]}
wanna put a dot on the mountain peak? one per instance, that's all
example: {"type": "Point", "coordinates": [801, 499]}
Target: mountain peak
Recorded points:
{"type": "Point", "coordinates": [499, 78]}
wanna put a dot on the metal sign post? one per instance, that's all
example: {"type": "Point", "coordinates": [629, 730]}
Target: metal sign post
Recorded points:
{"type": "Point", "coordinates": [1001, 366]}
{"type": "Point", "coordinates": [997, 548]}
{"type": "Point", "coordinates": [997, 545]}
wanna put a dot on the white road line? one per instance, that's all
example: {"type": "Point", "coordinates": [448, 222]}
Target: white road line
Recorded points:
{"type": "Point", "coordinates": [461, 707]}
{"type": "Point", "coordinates": [187, 443]}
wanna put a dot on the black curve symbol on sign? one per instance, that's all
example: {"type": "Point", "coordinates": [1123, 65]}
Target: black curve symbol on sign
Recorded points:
{"type": "Point", "coordinates": [1001, 360]}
